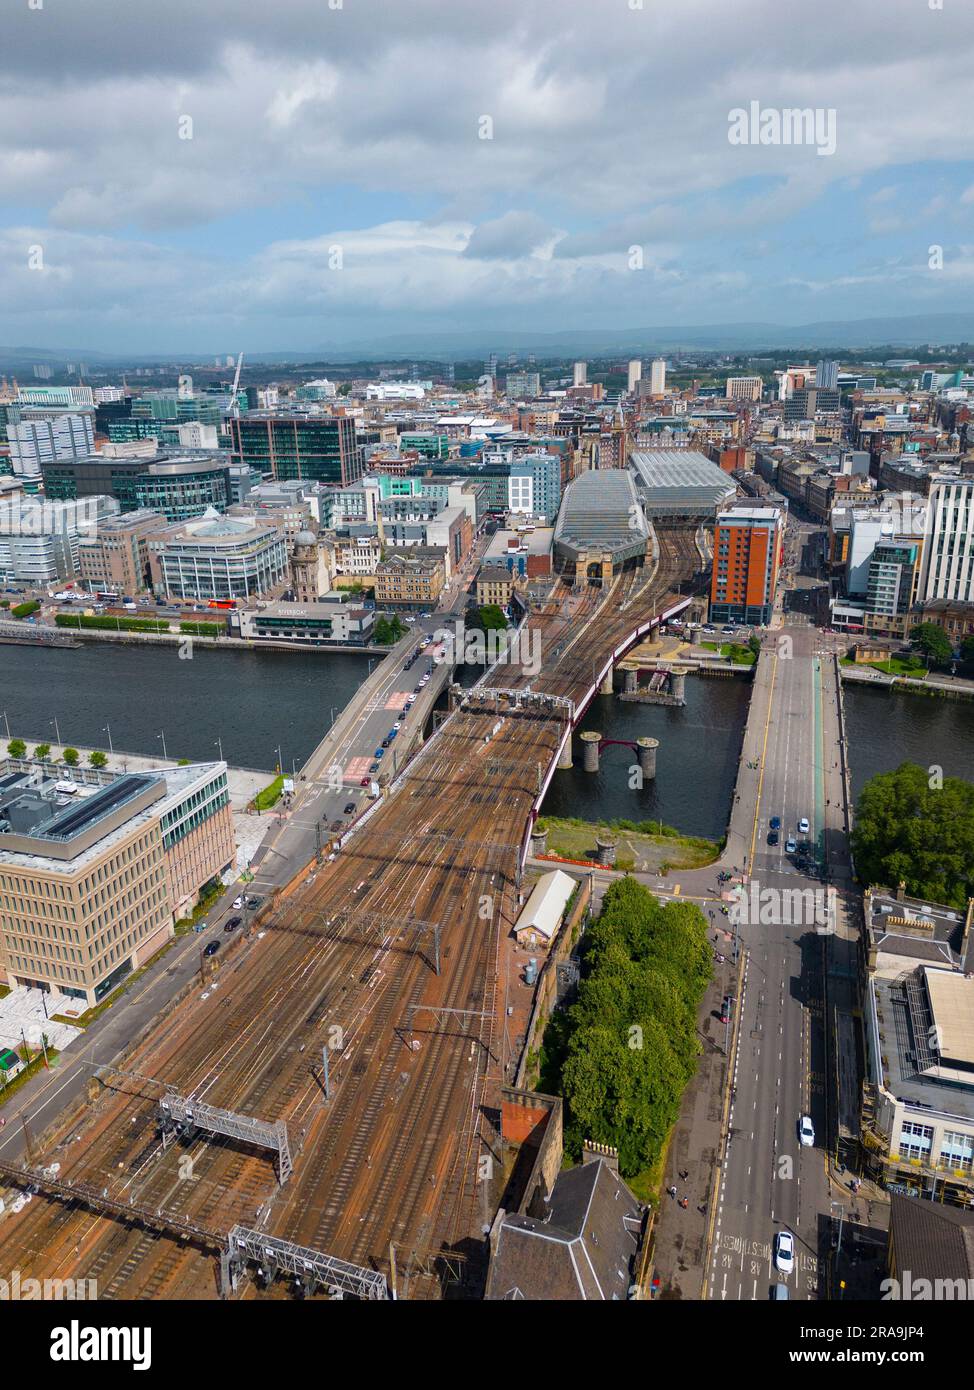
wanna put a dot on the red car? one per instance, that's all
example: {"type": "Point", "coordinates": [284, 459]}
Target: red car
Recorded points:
{"type": "Point", "coordinates": [364, 782]}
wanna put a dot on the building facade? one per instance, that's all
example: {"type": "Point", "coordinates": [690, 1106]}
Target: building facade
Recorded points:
{"type": "Point", "coordinates": [747, 555]}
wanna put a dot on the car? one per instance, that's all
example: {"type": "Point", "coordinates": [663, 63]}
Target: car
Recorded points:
{"type": "Point", "coordinates": [373, 767]}
{"type": "Point", "coordinates": [254, 902]}
{"type": "Point", "coordinates": [775, 822]}
{"type": "Point", "coordinates": [784, 1252]}
{"type": "Point", "coordinates": [364, 782]}
{"type": "Point", "coordinates": [806, 1132]}
{"type": "Point", "coordinates": [418, 690]}
{"type": "Point", "coordinates": [772, 837]}
{"type": "Point", "coordinates": [803, 826]}
{"type": "Point", "coordinates": [379, 754]}
{"type": "Point", "coordinates": [211, 949]}
{"type": "Point", "coordinates": [404, 711]}
{"type": "Point", "coordinates": [349, 809]}
{"type": "Point", "coordinates": [790, 846]}
{"type": "Point", "coordinates": [238, 903]}
{"type": "Point", "coordinates": [397, 726]}
{"type": "Point", "coordinates": [233, 924]}
{"type": "Point", "coordinates": [385, 744]}
{"type": "Point", "coordinates": [726, 1008]}
{"type": "Point", "coordinates": [804, 847]}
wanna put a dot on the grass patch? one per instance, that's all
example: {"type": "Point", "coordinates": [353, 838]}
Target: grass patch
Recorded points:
{"type": "Point", "coordinates": [731, 651]}
{"type": "Point", "coordinates": [644, 845]}
{"type": "Point", "coordinates": [31, 1069]}
{"type": "Point", "coordinates": [270, 795]}
{"type": "Point", "coordinates": [896, 666]}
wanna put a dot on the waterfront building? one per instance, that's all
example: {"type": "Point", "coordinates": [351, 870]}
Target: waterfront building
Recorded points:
{"type": "Point", "coordinates": [40, 540]}
{"type": "Point", "coordinates": [410, 579]}
{"type": "Point", "coordinates": [747, 555]}
{"type": "Point", "coordinates": [948, 554]}
{"type": "Point", "coordinates": [218, 557]}
{"type": "Point", "coordinates": [335, 617]}
{"type": "Point", "coordinates": [116, 555]}
{"type": "Point", "coordinates": [95, 868]}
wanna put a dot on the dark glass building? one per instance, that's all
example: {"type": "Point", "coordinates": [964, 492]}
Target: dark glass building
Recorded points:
{"type": "Point", "coordinates": [305, 446]}
{"type": "Point", "coordinates": [181, 486]}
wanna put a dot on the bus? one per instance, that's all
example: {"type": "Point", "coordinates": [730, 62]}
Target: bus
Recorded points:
{"type": "Point", "coordinates": [222, 603]}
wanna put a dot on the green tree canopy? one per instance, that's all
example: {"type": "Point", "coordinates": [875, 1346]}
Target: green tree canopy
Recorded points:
{"type": "Point", "coordinates": [917, 827]}
{"type": "Point", "coordinates": [932, 641]}
{"type": "Point", "coordinates": [17, 748]}
{"type": "Point", "coordinates": [98, 758]}
{"type": "Point", "coordinates": [72, 757]}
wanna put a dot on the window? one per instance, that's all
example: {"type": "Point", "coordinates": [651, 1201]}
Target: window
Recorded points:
{"type": "Point", "coordinates": [915, 1140]}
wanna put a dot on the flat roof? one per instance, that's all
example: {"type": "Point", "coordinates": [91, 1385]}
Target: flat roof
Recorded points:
{"type": "Point", "coordinates": [952, 1004]}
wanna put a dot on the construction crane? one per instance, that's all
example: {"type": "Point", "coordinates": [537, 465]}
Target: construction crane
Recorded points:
{"type": "Point", "coordinates": [234, 408]}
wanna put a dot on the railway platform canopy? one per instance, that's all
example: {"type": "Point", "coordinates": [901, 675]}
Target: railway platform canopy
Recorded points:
{"type": "Point", "coordinates": [677, 484]}
{"type": "Point", "coordinates": [601, 524]}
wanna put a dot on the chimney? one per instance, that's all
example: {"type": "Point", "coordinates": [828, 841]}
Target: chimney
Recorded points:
{"type": "Point", "coordinates": [901, 891]}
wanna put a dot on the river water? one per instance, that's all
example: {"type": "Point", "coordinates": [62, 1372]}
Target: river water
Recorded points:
{"type": "Point", "coordinates": [255, 701]}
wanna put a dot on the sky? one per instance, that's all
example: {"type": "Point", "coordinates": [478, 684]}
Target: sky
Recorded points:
{"type": "Point", "coordinates": [185, 176]}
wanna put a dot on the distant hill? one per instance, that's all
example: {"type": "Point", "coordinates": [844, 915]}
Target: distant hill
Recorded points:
{"type": "Point", "coordinates": [912, 330]}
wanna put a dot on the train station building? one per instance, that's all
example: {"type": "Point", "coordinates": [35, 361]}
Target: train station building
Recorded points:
{"type": "Point", "coordinates": [601, 527]}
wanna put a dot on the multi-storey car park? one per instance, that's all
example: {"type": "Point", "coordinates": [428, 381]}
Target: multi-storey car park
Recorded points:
{"type": "Point", "coordinates": [384, 1138]}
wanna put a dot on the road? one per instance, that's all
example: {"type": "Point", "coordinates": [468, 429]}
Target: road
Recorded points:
{"type": "Point", "coordinates": [770, 1183]}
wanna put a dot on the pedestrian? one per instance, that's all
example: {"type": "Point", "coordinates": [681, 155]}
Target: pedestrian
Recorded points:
{"type": "Point", "coordinates": [685, 1203]}
{"type": "Point", "coordinates": [671, 1191]}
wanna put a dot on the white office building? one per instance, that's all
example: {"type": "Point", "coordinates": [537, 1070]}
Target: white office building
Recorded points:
{"type": "Point", "coordinates": [657, 377]}
{"type": "Point", "coordinates": [36, 439]}
{"type": "Point", "coordinates": [39, 539]}
{"type": "Point", "coordinates": [580, 374]}
{"type": "Point", "coordinates": [948, 555]}
{"type": "Point", "coordinates": [635, 374]}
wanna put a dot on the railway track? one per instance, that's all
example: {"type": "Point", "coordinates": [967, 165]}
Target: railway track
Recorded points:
{"type": "Point", "coordinates": [392, 1157]}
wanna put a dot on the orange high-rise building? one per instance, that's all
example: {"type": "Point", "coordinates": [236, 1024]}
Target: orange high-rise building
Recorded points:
{"type": "Point", "coordinates": [747, 555]}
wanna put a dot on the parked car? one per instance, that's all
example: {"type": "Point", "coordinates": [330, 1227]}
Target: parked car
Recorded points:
{"type": "Point", "coordinates": [784, 1252]}
{"type": "Point", "coordinates": [254, 902]}
{"type": "Point", "coordinates": [237, 904]}
{"type": "Point", "coordinates": [775, 822]}
{"type": "Point", "coordinates": [726, 1008]}
{"type": "Point", "coordinates": [790, 846]}
{"type": "Point", "coordinates": [349, 809]}
{"type": "Point", "coordinates": [374, 767]}
{"type": "Point", "coordinates": [233, 924]}
{"type": "Point", "coordinates": [380, 752]}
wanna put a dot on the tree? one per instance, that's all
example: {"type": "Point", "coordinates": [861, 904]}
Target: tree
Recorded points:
{"type": "Point", "coordinates": [916, 827]}
{"type": "Point", "coordinates": [388, 630]}
{"type": "Point", "coordinates": [967, 651]}
{"type": "Point", "coordinates": [17, 748]}
{"type": "Point", "coordinates": [98, 758]}
{"type": "Point", "coordinates": [72, 757]}
{"type": "Point", "coordinates": [754, 643]}
{"type": "Point", "coordinates": [42, 751]}
{"type": "Point", "coordinates": [489, 618]}
{"type": "Point", "coordinates": [933, 642]}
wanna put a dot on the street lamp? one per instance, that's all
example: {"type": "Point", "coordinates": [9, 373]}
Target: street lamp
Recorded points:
{"type": "Point", "coordinates": [52, 724]}
{"type": "Point", "coordinates": [218, 743]}
{"type": "Point", "coordinates": [162, 735]}
{"type": "Point", "coordinates": [6, 722]}
{"type": "Point", "coordinates": [108, 730]}
{"type": "Point", "coordinates": [280, 759]}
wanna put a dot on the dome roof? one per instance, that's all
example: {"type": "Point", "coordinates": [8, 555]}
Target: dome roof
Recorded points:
{"type": "Point", "coordinates": [305, 538]}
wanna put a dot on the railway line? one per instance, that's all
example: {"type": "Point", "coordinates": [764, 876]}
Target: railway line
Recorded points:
{"type": "Point", "coordinates": [391, 1157]}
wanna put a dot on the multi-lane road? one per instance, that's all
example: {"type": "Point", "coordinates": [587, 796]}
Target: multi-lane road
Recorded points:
{"type": "Point", "coordinates": [770, 1183]}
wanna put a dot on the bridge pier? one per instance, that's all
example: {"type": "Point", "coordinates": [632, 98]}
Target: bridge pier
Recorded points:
{"type": "Point", "coordinates": [630, 682]}
{"type": "Point", "coordinates": [605, 850]}
{"type": "Point", "coordinates": [606, 687]}
{"type": "Point", "coordinates": [565, 757]}
{"type": "Point", "coordinates": [678, 685]}
{"type": "Point", "coordinates": [539, 842]}
{"type": "Point", "coordinates": [646, 749]}
{"type": "Point", "coordinates": [590, 751]}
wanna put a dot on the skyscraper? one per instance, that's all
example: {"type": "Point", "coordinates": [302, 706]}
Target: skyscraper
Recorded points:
{"type": "Point", "coordinates": [657, 377]}
{"type": "Point", "coordinates": [635, 374]}
{"type": "Point", "coordinates": [827, 375]}
{"type": "Point", "coordinates": [948, 554]}
{"type": "Point", "coordinates": [580, 374]}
